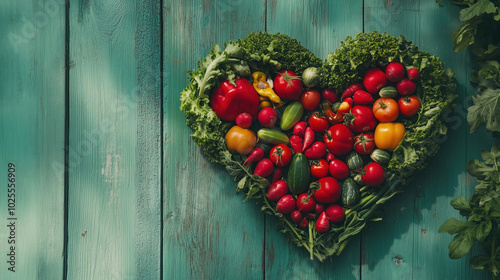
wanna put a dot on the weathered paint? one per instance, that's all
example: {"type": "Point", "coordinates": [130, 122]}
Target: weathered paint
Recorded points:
{"type": "Point", "coordinates": [142, 201]}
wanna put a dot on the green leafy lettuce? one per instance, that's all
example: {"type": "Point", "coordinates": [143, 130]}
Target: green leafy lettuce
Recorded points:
{"type": "Point", "coordinates": [483, 215]}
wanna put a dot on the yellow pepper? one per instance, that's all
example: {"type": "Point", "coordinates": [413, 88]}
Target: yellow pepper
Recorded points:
{"type": "Point", "coordinates": [263, 88]}
{"type": "Point", "coordinates": [389, 135]}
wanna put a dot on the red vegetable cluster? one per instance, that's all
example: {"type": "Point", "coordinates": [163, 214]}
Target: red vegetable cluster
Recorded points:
{"type": "Point", "coordinates": [337, 135]}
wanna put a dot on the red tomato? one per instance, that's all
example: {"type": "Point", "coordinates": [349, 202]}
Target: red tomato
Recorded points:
{"type": "Point", "coordinates": [335, 213]}
{"type": "Point", "coordinates": [409, 105]}
{"type": "Point", "coordinates": [310, 99]}
{"type": "Point", "coordinates": [286, 204]}
{"type": "Point", "coordinates": [280, 155]}
{"type": "Point", "coordinates": [306, 203]}
{"type": "Point", "coordinates": [339, 139]}
{"type": "Point", "coordinates": [385, 109]}
{"type": "Point", "coordinates": [288, 85]}
{"type": "Point", "coordinates": [373, 174]}
{"type": "Point", "coordinates": [338, 169]}
{"type": "Point", "coordinates": [277, 190]}
{"type": "Point", "coordinates": [329, 190]}
{"type": "Point", "coordinates": [374, 80]}
{"type": "Point", "coordinates": [361, 119]}
{"type": "Point", "coordinates": [316, 151]}
{"type": "Point", "coordinates": [329, 95]}
{"type": "Point", "coordinates": [364, 143]}
{"type": "Point", "coordinates": [319, 168]}
{"type": "Point", "coordinates": [317, 123]}
{"type": "Point", "coordinates": [296, 216]}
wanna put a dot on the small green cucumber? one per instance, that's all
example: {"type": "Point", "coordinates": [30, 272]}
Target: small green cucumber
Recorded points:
{"type": "Point", "coordinates": [292, 115]}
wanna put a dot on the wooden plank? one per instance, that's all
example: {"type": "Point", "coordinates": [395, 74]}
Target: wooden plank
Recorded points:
{"type": "Point", "coordinates": [114, 195]}
{"type": "Point", "coordinates": [406, 243]}
{"type": "Point", "coordinates": [319, 26]}
{"type": "Point", "coordinates": [208, 232]}
{"type": "Point", "coordinates": [32, 139]}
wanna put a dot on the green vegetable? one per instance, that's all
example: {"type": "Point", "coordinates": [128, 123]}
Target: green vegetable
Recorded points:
{"type": "Point", "coordinates": [486, 107]}
{"type": "Point", "coordinates": [388, 91]}
{"type": "Point", "coordinates": [291, 115]}
{"type": "Point", "coordinates": [354, 161]}
{"type": "Point", "coordinates": [298, 174]}
{"type": "Point", "coordinates": [380, 156]}
{"type": "Point", "coordinates": [480, 28]}
{"type": "Point", "coordinates": [310, 77]}
{"type": "Point", "coordinates": [483, 215]}
{"type": "Point", "coordinates": [272, 136]}
{"type": "Point", "coordinates": [350, 192]}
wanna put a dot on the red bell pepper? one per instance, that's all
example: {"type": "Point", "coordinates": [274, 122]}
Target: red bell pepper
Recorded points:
{"type": "Point", "coordinates": [228, 101]}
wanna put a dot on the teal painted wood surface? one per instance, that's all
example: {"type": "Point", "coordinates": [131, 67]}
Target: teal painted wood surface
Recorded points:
{"type": "Point", "coordinates": [32, 125]}
{"type": "Point", "coordinates": [114, 201]}
{"type": "Point", "coordinates": [96, 87]}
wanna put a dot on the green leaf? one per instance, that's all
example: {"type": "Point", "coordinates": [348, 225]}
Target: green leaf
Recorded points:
{"type": "Point", "coordinates": [461, 204]}
{"type": "Point", "coordinates": [479, 8]}
{"type": "Point", "coordinates": [454, 226]}
{"type": "Point", "coordinates": [483, 230]}
{"type": "Point", "coordinates": [460, 246]}
{"type": "Point", "coordinates": [479, 262]}
{"type": "Point", "coordinates": [463, 36]}
{"type": "Point", "coordinates": [486, 110]}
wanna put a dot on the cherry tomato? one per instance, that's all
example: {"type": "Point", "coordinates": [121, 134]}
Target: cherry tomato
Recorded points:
{"type": "Point", "coordinates": [318, 123]}
{"type": "Point", "coordinates": [319, 168]}
{"type": "Point", "coordinates": [305, 202]}
{"type": "Point", "coordinates": [360, 119]}
{"type": "Point", "coordinates": [286, 204]}
{"type": "Point", "coordinates": [409, 105]}
{"type": "Point", "coordinates": [338, 169]}
{"type": "Point", "coordinates": [328, 192]}
{"type": "Point", "coordinates": [385, 109]}
{"type": "Point", "coordinates": [339, 139]}
{"type": "Point", "coordinates": [288, 85]}
{"type": "Point", "coordinates": [277, 190]}
{"type": "Point", "coordinates": [240, 140]}
{"type": "Point", "coordinates": [296, 216]}
{"type": "Point", "coordinates": [310, 99]}
{"type": "Point", "coordinates": [335, 213]}
{"type": "Point", "coordinates": [373, 174]}
{"type": "Point", "coordinates": [364, 143]}
{"type": "Point", "coordinates": [329, 94]}
{"type": "Point", "coordinates": [280, 155]}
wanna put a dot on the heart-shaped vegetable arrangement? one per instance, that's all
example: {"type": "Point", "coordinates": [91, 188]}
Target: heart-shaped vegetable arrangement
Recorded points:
{"type": "Point", "coordinates": [320, 145]}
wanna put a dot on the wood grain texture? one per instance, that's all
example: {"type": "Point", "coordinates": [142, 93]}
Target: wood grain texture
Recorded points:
{"type": "Point", "coordinates": [319, 26]}
{"type": "Point", "coordinates": [208, 232]}
{"type": "Point", "coordinates": [32, 137]}
{"type": "Point", "coordinates": [114, 217]}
